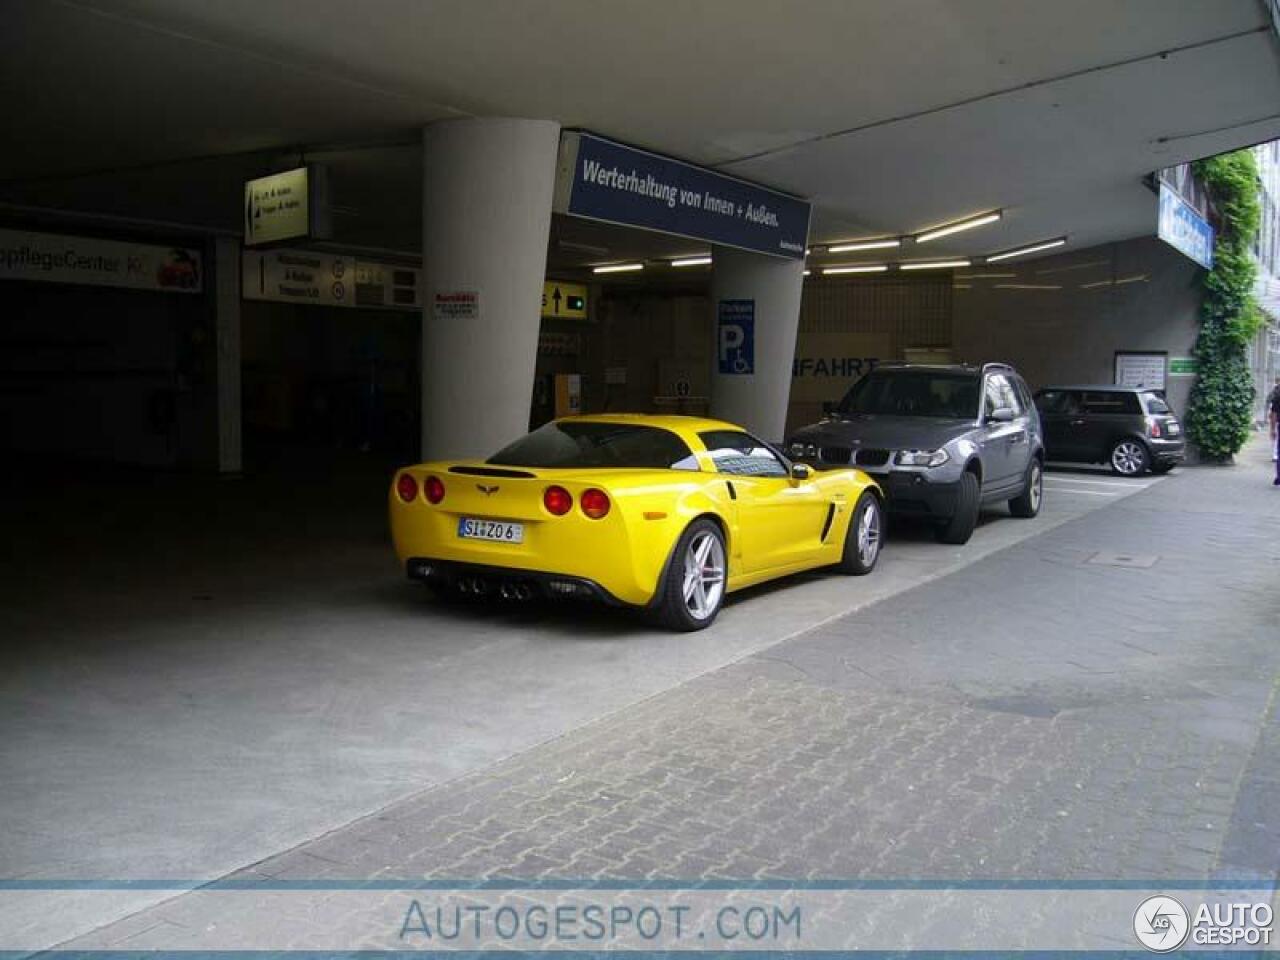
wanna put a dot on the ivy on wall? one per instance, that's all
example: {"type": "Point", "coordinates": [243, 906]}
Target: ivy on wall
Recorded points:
{"type": "Point", "coordinates": [1220, 412]}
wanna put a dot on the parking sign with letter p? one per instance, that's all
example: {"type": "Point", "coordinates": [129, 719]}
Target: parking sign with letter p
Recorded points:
{"type": "Point", "coordinates": [736, 337]}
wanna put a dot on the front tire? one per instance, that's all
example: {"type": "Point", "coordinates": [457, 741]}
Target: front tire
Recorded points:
{"type": "Point", "coordinates": [694, 584]}
{"type": "Point", "coordinates": [1027, 503]}
{"type": "Point", "coordinates": [863, 538]}
{"type": "Point", "coordinates": [1129, 458]}
{"type": "Point", "coordinates": [959, 528]}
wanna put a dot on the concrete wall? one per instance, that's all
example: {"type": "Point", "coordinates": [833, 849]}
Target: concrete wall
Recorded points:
{"type": "Point", "coordinates": [1061, 319]}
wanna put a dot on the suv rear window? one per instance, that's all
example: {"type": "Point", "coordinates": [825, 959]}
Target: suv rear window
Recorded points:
{"type": "Point", "coordinates": [598, 445]}
{"type": "Point", "coordinates": [915, 393]}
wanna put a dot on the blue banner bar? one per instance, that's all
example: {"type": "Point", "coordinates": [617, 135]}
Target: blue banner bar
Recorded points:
{"type": "Point", "coordinates": [603, 180]}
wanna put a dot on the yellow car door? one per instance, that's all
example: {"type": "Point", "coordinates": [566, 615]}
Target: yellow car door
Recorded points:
{"type": "Point", "coordinates": [780, 519]}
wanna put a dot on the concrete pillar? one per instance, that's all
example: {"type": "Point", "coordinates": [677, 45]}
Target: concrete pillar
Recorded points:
{"type": "Point", "coordinates": [226, 307]}
{"type": "Point", "coordinates": [756, 299]}
{"type": "Point", "coordinates": [486, 215]}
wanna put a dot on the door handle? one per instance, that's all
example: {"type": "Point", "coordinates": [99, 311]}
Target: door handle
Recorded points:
{"type": "Point", "coordinates": [1019, 437]}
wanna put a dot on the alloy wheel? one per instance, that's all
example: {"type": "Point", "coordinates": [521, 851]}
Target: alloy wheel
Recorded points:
{"type": "Point", "coordinates": [1127, 458]}
{"type": "Point", "coordinates": [1037, 484]}
{"type": "Point", "coordinates": [703, 575]}
{"type": "Point", "coordinates": [869, 534]}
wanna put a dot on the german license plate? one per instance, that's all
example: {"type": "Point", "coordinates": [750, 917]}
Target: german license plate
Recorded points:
{"type": "Point", "coordinates": [499, 531]}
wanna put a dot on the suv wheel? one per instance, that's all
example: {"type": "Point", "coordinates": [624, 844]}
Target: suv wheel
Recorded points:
{"type": "Point", "coordinates": [1027, 503]}
{"type": "Point", "coordinates": [960, 527]}
{"type": "Point", "coordinates": [1129, 458]}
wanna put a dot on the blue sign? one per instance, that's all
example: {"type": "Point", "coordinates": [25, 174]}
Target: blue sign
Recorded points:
{"type": "Point", "coordinates": [1184, 229]}
{"type": "Point", "coordinates": [736, 336]}
{"type": "Point", "coordinates": [603, 180]}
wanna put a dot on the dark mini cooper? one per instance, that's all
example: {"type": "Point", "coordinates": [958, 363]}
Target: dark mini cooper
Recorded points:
{"type": "Point", "coordinates": [1130, 429]}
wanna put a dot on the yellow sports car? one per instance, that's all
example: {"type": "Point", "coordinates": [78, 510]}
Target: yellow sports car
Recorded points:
{"type": "Point", "coordinates": [665, 512]}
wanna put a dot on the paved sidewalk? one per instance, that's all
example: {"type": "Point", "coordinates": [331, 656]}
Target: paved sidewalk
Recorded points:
{"type": "Point", "coordinates": [1097, 702]}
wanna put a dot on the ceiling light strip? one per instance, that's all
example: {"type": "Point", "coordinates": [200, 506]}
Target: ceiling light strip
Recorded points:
{"type": "Point", "coordinates": [862, 268]}
{"type": "Point", "coordinates": [959, 227]}
{"type": "Point", "coordinates": [618, 268]}
{"type": "Point", "coordinates": [934, 265]}
{"type": "Point", "coordinates": [692, 262]}
{"type": "Point", "coordinates": [1023, 251]}
{"type": "Point", "coordinates": [856, 245]}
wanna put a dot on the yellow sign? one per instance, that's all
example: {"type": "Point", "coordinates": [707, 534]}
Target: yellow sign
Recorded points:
{"type": "Point", "coordinates": [564, 300]}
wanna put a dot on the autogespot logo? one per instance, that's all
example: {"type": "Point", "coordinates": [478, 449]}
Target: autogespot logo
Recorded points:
{"type": "Point", "coordinates": [1161, 924]}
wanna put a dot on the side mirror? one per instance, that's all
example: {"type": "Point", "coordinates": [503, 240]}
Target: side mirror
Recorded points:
{"type": "Point", "coordinates": [801, 471]}
{"type": "Point", "coordinates": [1000, 415]}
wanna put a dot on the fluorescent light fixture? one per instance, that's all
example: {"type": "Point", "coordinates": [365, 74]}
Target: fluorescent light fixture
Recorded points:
{"type": "Point", "coordinates": [1028, 286]}
{"type": "Point", "coordinates": [692, 262]}
{"type": "Point", "coordinates": [807, 272]}
{"type": "Point", "coordinates": [868, 268]}
{"type": "Point", "coordinates": [1022, 251]}
{"type": "Point", "coordinates": [1137, 277]}
{"type": "Point", "coordinates": [934, 265]}
{"type": "Point", "coordinates": [958, 227]}
{"type": "Point", "coordinates": [618, 268]}
{"type": "Point", "coordinates": [865, 245]}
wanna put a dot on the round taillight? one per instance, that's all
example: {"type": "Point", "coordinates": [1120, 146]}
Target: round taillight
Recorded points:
{"type": "Point", "coordinates": [434, 489]}
{"type": "Point", "coordinates": [595, 503]}
{"type": "Point", "coordinates": [557, 500]}
{"type": "Point", "coordinates": [406, 488]}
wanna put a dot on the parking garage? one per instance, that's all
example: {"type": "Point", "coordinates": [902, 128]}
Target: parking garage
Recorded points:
{"type": "Point", "coordinates": [214, 663]}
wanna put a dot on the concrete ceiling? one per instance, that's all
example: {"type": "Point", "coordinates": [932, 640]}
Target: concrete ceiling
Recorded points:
{"type": "Point", "coordinates": [891, 116]}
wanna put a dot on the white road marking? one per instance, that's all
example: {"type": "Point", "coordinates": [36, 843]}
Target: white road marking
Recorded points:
{"type": "Point", "coordinates": [1083, 493]}
{"type": "Point", "coordinates": [1130, 484]}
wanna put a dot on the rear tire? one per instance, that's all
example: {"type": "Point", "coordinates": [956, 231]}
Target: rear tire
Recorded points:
{"type": "Point", "coordinates": [694, 585]}
{"type": "Point", "coordinates": [1027, 503]}
{"type": "Point", "coordinates": [959, 528]}
{"type": "Point", "coordinates": [1129, 458]}
{"type": "Point", "coordinates": [864, 537]}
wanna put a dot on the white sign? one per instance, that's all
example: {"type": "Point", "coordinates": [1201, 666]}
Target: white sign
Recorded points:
{"type": "Point", "coordinates": [456, 305]}
{"type": "Point", "coordinates": [328, 280]}
{"type": "Point", "coordinates": [277, 207]}
{"type": "Point", "coordinates": [1144, 370]}
{"type": "Point", "coordinates": [57, 258]}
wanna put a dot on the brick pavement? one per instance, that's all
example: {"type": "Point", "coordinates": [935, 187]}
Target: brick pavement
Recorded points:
{"type": "Point", "coordinates": [1034, 716]}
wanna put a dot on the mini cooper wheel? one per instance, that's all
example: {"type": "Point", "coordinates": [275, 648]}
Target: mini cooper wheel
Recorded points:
{"type": "Point", "coordinates": [693, 589]}
{"type": "Point", "coordinates": [1129, 458]}
{"type": "Point", "coordinates": [865, 535]}
{"type": "Point", "coordinates": [1027, 503]}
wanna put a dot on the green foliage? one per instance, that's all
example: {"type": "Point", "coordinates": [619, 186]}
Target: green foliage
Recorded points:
{"type": "Point", "coordinates": [1219, 418]}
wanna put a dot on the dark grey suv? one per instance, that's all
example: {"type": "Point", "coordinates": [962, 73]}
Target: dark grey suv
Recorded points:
{"type": "Point", "coordinates": [1132, 430]}
{"type": "Point", "coordinates": [940, 440]}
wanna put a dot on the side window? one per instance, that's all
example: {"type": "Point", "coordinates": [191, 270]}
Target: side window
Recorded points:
{"type": "Point", "coordinates": [1104, 401]}
{"type": "Point", "coordinates": [1155, 403]}
{"type": "Point", "coordinates": [741, 454]}
{"type": "Point", "coordinates": [1024, 393]}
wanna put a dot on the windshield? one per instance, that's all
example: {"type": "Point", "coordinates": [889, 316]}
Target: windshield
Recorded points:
{"type": "Point", "coordinates": [915, 393]}
{"type": "Point", "coordinates": [597, 445]}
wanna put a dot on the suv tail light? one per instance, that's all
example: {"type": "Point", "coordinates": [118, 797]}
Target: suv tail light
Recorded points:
{"type": "Point", "coordinates": [406, 488]}
{"type": "Point", "coordinates": [557, 500]}
{"type": "Point", "coordinates": [434, 489]}
{"type": "Point", "coordinates": [1153, 427]}
{"type": "Point", "coordinates": [595, 503]}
